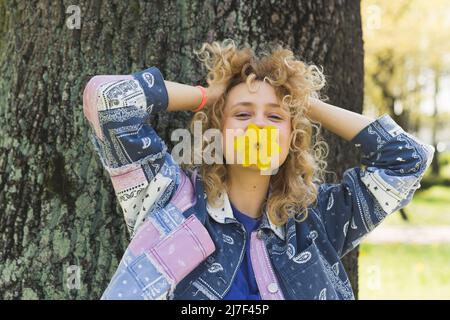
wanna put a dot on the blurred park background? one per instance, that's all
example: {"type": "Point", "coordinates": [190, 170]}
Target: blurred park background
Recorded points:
{"type": "Point", "coordinates": [407, 71]}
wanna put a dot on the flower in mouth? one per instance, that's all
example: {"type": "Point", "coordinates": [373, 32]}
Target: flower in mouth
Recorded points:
{"type": "Point", "coordinates": [257, 146]}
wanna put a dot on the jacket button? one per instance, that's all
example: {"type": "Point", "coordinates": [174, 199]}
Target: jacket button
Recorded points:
{"type": "Point", "coordinates": [260, 234]}
{"type": "Point", "coordinates": [272, 287]}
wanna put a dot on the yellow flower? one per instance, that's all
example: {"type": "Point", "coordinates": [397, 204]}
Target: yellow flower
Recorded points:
{"type": "Point", "coordinates": [257, 146]}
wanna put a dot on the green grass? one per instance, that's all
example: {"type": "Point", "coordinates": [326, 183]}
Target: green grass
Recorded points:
{"type": "Point", "coordinates": [404, 271]}
{"type": "Point", "coordinates": [428, 207]}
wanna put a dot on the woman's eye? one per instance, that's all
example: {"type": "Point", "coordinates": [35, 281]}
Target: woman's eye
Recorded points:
{"type": "Point", "coordinates": [242, 115]}
{"type": "Point", "coordinates": [276, 117]}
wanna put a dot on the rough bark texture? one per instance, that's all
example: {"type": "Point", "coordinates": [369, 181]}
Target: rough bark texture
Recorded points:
{"type": "Point", "coordinates": [57, 205]}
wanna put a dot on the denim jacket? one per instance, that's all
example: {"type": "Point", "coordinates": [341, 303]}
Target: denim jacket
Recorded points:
{"type": "Point", "coordinates": [182, 248]}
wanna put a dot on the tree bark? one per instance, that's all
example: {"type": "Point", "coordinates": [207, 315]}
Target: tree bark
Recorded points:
{"type": "Point", "coordinates": [57, 205]}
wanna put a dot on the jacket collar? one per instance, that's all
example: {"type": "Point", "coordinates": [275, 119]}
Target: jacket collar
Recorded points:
{"type": "Point", "coordinates": [224, 212]}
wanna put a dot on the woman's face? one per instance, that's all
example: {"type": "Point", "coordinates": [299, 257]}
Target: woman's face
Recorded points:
{"type": "Point", "coordinates": [261, 108]}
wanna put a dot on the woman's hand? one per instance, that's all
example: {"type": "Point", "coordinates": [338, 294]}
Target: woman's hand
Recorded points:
{"type": "Point", "coordinates": [213, 92]}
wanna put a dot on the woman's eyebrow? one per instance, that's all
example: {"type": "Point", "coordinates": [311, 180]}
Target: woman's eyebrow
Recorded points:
{"type": "Point", "coordinates": [251, 104]}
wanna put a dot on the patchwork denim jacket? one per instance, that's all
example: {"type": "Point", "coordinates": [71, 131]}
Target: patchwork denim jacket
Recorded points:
{"type": "Point", "coordinates": [182, 248]}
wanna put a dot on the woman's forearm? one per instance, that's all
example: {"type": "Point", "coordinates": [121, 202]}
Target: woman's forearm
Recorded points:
{"type": "Point", "coordinates": [182, 97]}
{"type": "Point", "coordinates": [344, 123]}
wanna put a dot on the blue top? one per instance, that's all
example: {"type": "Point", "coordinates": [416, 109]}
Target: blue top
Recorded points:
{"type": "Point", "coordinates": [244, 286]}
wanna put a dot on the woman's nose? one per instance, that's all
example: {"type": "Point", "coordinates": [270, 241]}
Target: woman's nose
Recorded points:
{"type": "Point", "coordinates": [260, 121]}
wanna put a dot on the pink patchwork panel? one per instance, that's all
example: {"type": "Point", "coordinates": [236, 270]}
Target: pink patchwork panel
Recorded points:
{"type": "Point", "coordinates": [268, 285]}
{"type": "Point", "coordinates": [130, 179]}
{"type": "Point", "coordinates": [145, 238]}
{"type": "Point", "coordinates": [183, 249]}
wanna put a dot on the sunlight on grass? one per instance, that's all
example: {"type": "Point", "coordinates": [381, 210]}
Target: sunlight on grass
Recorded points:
{"type": "Point", "coordinates": [404, 271]}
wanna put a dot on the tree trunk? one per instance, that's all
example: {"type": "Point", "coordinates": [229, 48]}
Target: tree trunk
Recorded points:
{"type": "Point", "coordinates": [59, 218]}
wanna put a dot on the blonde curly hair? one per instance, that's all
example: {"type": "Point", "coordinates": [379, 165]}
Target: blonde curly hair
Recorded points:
{"type": "Point", "coordinates": [294, 187]}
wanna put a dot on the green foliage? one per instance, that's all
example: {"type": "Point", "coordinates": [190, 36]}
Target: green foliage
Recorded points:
{"type": "Point", "coordinates": [405, 42]}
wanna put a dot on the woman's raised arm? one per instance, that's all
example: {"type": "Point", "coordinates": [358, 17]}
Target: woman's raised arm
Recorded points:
{"type": "Point", "coordinates": [346, 124]}
{"type": "Point", "coordinates": [183, 97]}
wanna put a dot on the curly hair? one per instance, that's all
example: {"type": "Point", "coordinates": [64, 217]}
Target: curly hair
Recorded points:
{"type": "Point", "coordinates": [294, 186]}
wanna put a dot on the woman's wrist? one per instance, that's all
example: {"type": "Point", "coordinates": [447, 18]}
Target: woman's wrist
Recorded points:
{"type": "Point", "coordinates": [204, 99]}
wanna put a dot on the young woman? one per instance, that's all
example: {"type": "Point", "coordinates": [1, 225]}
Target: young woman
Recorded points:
{"type": "Point", "coordinates": [226, 230]}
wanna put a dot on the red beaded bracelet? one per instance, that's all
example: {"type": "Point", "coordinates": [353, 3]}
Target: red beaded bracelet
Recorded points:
{"type": "Point", "coordinates": [203, 102]}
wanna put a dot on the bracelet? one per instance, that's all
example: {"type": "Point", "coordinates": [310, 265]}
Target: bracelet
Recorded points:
{"type": "Point", "coordinates": [203, 102]}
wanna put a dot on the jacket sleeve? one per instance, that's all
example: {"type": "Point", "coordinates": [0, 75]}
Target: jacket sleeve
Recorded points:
{"type": "Point", "coordinates": [118, 108]}
{"type": "Point", "coordinates": [393, 163]}
{"type": "Point", "coordinates": [165, 245]}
